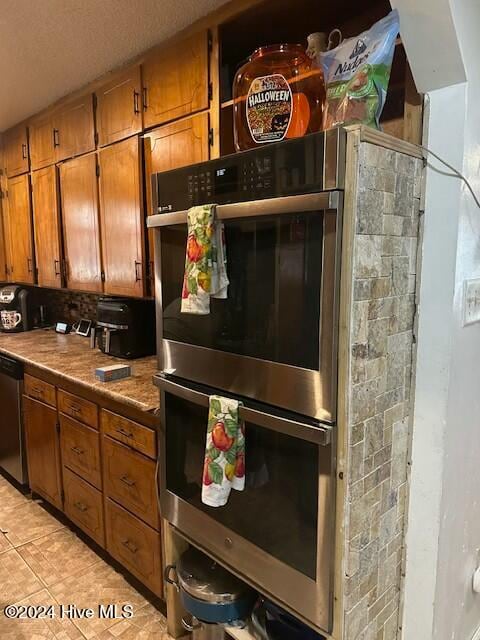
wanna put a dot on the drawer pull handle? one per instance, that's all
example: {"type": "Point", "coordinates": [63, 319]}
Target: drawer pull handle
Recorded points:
{"type": "Point", "coordinates": [130, 546]}
{"type": "Point", "coordinates": [77, 450]}
{"type": "Point", "coordinates": [75, 408]}
{"type": "Point", "coordinates": [126, 480]}
{"type": "Point", "coordinates": [37, 390]}
{"type": "Point", "coordinates": [80, 506]}
{"type": "Point", "coordinates": [124, 432]}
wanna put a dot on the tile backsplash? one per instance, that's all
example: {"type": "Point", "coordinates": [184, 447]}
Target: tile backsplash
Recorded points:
{"type": "Point", "coordinates": [68, 306]}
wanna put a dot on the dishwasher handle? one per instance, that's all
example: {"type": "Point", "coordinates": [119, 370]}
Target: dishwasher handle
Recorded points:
{"type": "Point", "coordinates": [11, 368]}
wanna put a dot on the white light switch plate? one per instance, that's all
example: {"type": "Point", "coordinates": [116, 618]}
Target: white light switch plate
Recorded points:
{"type": "Point", "coordinates": [471, 302]}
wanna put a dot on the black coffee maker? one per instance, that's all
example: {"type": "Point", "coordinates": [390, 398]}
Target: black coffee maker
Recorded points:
{"type": "Point", "coordinates": [125, 327]}
{"type": "Point", "coordinates": [15, 309]}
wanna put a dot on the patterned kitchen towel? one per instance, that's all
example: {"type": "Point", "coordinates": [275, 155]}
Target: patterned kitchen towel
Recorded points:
{"type": "Point", "coordinates": [224, 466]}
{"type": "Point", "coordinates": [205, 262]}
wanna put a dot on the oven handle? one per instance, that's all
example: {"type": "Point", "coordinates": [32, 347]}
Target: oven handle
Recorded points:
{"type": "Point", "coordinates": [321, 435]}
{"type": "Point", "coordinates": [307, 202]}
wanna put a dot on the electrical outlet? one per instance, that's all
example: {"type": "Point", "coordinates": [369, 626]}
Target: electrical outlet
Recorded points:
{"type": "Point", "coordinates": [471, 302]}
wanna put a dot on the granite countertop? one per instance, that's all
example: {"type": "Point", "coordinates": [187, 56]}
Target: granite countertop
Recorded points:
{"type": "Point", "coordinates": [70, 357]}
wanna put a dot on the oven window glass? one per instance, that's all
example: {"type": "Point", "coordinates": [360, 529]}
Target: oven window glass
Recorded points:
{"type": "Point", "coordinates": [277, 511]}
{"type": "Point", "coordinates": [272, 312]}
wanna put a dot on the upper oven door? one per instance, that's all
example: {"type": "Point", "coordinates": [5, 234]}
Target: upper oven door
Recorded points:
{"type": "Point", "coordinates": [274, 338]}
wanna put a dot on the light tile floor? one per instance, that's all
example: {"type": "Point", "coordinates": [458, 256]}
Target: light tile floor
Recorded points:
{"type": "Point", "coordinates": [42, 562]}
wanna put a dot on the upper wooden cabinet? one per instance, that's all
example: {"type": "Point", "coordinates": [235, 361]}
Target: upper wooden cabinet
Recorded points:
{"type": "Point", "coordinates": [3, 254]}
{"type": "Point", "coordinates": [119, 107]}
{"type": "Point", "coordinates": [42, 140]}
{"type": "Point", "coordinates": [74, 128]}
{"type": "Point", "coordinates": [81, 230]}
{"type": "Point", "coordinates": [63, 132]}
{"type": "Point", "coordinates": [121, 216]}
{"type": "Point", "coordinates": [19, 230]}
{"type": "Point", "coordinates": [174, 145]}
{"type": "Point", "coordinates": [46, 224]}
{"type": "Point", "coordinates": [15, 143]}
{"type": "Point", "coordinates": [176, 80]}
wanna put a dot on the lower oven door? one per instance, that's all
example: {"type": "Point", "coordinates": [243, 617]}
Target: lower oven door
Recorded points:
{"type": "Point", "coordinates": [277, 533]}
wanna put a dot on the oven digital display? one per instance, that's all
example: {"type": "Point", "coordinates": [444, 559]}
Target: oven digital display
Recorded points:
{"type": "Point", "coordinates": [225, 179]}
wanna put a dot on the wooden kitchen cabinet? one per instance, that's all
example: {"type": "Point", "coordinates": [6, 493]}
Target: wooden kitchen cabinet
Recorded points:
{"type": "Point", "coordinates": [84, 506]}
{"type": "Point", "coordinates": [80, 447]}
{"type": "Point", "coordinates": [81, 227]}
{"type": "Point", "coordinates": [46, 225]}
{"type": "Point", "coordinates": [176, 80]}
{"type": "Point", "coordinates": [119, 107]}
{"type": "Point", "coordinates": [15, 143]}
{"type": "Point", "coordinates": [3, 254]}
{"type": "Point", "coordinates": [74, 128]}
{"type": "Point", "coordinates": [171, 146]}
{"type": "Point", "coordinates": [43, 450]}
{"type": "Point", "coordinates": [42, 140]}
{"type": "Point", "coordinates": [19, 230]}
{"type": "Point", "coordinates": [121, 217]}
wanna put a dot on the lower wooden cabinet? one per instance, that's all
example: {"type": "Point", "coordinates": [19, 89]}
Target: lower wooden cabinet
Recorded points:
{"type": "Point", "coordinates": [81, 450]}
{"type": "Point", "coordinates": [43, 450]}
{"type": "Point", "coordinates": [70, 460]}
{"type": "Point", "coordinates": [84, 506]}
{"type": "Point", "coordinates": [135, 545]}
{"type": "Point", "coordinates": [129, 478]}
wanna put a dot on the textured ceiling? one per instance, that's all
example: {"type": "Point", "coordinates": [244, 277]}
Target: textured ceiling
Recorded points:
{"type": "Point", "coordinates": [49, 48]}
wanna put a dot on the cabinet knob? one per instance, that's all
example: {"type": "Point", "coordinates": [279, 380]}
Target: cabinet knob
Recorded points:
{"type": "Point", "coordinates": [56, 138]}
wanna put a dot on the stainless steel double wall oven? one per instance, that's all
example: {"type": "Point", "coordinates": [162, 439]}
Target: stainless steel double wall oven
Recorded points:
{"type": "Point", "coordinates": [272, 344]}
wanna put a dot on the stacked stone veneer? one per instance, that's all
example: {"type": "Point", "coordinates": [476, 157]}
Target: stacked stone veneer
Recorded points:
{"type": "Point", "coordinates": [381, 341]}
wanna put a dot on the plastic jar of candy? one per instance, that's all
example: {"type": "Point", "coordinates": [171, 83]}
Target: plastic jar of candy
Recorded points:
{"type": "Point", "coordinates": [279, 93]}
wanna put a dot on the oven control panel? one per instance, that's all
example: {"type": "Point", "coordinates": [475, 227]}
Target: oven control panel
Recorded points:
{"type": "Point", "coordinates": [284, 168]}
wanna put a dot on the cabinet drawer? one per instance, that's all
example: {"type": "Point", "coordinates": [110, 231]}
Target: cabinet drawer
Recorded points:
{"type": "Point", "coordinates": [40, 390]}
{"type": "Point", "coordinates": [78, 408]}
{"type": "Point", "coordinates": [129, 478]}
{"type": "Point", "coordinates": [83, 505]}
{"type": "Point", "coordinates": [135, 545]}
{"type": "Point", "coordinates": [135, 435]}
{"type": "Point", "coordinates": [81, 450]}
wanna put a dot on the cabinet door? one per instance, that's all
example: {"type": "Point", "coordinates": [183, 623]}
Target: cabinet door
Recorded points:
{"type": "Point", "coordinates": [74, 128]}
{"type": "Point", "coordinates": [169, 147]}
{"type": "Point", "coordinates": [42, 141]}
{"type": "Point", "coordinates": [46, 225]}
{"type": "Point", "coordinates": [43, 450]}
{"type": "Point", "coordinates": [119, 107]}
{"type": "Point", "coordinates": [16, 151]}
{"type": "Point", "coordinates": [176, 80]}
{"type": "Point", "coordinates": [19, 225]}
{"type": "Point", "coordinates": [81, 230]}
{"type": "Point", "coordinates": [121, 218]}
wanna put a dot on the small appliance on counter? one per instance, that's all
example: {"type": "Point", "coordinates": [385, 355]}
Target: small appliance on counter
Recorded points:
{"type": "Point", "coordinates": [16, 312]}
{"type": "Point", "coordinates": [125, 327]}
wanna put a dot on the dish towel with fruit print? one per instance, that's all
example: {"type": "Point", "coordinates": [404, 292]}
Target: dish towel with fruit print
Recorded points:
{"type": "Point", "coordinates": [224, 467]}
{"type": "Point", "coordinates": [205, 262]}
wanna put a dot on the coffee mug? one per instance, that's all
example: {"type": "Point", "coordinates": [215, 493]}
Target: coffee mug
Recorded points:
{"type": "Point", "coordinates": [10, 319]}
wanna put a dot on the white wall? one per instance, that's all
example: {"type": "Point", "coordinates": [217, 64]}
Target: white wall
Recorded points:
{"type": "Point", "coordinates": [443, 539]}
{"type": "Point", "coordinates": [457, 607]}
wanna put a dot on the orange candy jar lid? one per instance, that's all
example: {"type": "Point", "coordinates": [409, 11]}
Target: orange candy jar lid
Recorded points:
{"type": "Point", "coordinates": [279, 93]}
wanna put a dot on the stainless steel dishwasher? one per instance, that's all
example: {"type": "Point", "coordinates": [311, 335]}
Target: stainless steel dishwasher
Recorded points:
{"type": "Point", "coordinates": [12, 444]}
